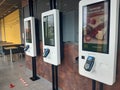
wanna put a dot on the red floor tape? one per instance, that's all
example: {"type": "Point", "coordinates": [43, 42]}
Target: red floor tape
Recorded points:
{"type": "Point", "coordinates": [24, 82]}
{"type": "Point", "coordinates": [11, 85]}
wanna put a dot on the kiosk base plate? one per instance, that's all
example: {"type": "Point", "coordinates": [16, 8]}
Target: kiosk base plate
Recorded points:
{"type": "Point", "coordinates": [34, 78]}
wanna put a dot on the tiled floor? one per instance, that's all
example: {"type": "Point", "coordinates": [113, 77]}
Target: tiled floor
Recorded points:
{"type": "Point", "coordinates": [15, 76]}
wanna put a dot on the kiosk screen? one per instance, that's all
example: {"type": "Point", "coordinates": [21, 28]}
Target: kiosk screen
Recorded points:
{"type": "Point", "coordinates": [95, 27]}
{"type": "Point", "coordinates": [49, 30]}
{"type": "Point", "coordinates": [28, 32]}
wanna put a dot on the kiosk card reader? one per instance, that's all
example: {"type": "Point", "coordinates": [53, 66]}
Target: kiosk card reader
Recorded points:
{"type": "Point", "coordinates": [89, 63]}
{"type": "Point", "coordinates": [46, 52]}
{"type": "Point", "coordinates": [51, 37]}
{"type": "Point", "coordinates": [98, 33]}
{"type": "Point", "coordinates": [26, 48]}
{"type": "Point", "coordinates": [30, 39]}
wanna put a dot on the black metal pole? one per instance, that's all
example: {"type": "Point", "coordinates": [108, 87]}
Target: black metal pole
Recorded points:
{"type": "Point", "coordinates": [56, 75]}
{"type": "Point", "coordinates": [34, 77]}
{"type": "Point", "coordinates": [34, 66]}
{"type": "Point", "coordinates": [101, 86]}
{"type": "Point", "coordinates": [93, 85]}
{"type": "Point", "coordinates": [54, 4]}
{"type": "Point", "coordinates": [53, 77]}
{"type": "Point", "coordinates": [54, 68]}
{"type": "Point", "coordinates": [51, 5]}
{"type": "Point", "coordinates": [30, 7]}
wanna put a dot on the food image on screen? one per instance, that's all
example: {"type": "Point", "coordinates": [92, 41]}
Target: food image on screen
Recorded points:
{"type": "Point", "coordinates": [48, 22]}
{"type": "Point", "coordinates": [96, 27]}
{"type": "Point", "coordinates": [28, 32]}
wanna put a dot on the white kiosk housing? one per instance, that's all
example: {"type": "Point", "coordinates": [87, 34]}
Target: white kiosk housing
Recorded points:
{"type": "Point", "coordinates": [30, 39]}
{"type": "Point", "coordinates": [98, 36]}
{"type": "Point", "coordinates": [51, 37]}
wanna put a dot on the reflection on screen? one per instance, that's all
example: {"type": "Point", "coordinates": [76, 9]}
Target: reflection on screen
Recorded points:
{"type": "Point", "coordinates": [96, 27]}
{"type": "Point", "coordinates": [49, 30]}
{"type": "Point", "coordinates": [28, 32]}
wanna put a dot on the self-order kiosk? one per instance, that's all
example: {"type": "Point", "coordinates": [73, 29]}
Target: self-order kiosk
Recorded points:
{"type": "Point", "coordinates": [30, 38]}
{"type": "Point", "coordinates": [98, 33]}
{"type": "Point", "coordinates": [51, 37]}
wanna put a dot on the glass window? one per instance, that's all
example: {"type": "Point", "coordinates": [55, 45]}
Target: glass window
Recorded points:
{"type": "Point", "coordinates": [40, 6]}
{"type": "Point", "coordinates": [69, 19]}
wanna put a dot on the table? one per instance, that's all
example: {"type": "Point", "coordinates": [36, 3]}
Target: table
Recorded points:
{"type": "Point", "coordinates": [10, 48]}
{"type": "Point", "coordinates": [6, 44]}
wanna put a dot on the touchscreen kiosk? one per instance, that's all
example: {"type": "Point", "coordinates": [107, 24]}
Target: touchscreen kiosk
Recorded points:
{"type": "Point", "coordinates": [30, 39]}
{"type": "Point", "coordinates": [98, 29]}
{"type": "Point", "coordinates": [51, 37]}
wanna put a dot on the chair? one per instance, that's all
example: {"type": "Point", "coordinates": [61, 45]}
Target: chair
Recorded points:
{"type": "Point", "coordinates": [16, 49]}
{"type": "Point", "coordinates": [1, 51]}
{"type": "Point", "coordinates": [21, 50]}
{"type": "Point", "coordinates": [5, 52]}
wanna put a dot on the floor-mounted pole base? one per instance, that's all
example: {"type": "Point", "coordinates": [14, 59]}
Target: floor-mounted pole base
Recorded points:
{"type": "Point", "coordinates": [34, 78]}
{"type": "Point", "coordinates": [34, 73]}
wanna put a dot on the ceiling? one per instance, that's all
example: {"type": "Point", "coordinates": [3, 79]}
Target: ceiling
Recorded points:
{"type": "Point", "coordinates": [8, 6]}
